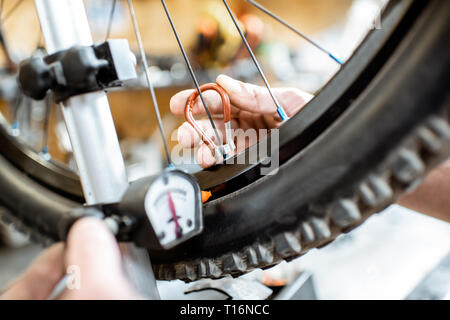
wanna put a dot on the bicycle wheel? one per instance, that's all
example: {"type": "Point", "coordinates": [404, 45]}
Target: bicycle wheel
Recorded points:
{"type": "Point", "coordinates": [364, 139]}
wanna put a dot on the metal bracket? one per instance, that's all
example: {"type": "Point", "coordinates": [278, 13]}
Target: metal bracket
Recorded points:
{"type": "Point", "coordinates": [78, 70]}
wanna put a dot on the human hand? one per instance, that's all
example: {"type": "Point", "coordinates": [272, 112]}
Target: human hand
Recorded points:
{"type": "Point", "coordinates": [431, 197]}
{"type": "Point", "coordinates": [91, 249]}
{"type": "Point", "coordinates": [251, 108]}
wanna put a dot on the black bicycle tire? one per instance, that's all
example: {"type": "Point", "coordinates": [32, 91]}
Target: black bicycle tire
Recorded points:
{"type": "Point", "coordinates": [322, 212]}
{"type": "Point", "coordinates": [270, 221]}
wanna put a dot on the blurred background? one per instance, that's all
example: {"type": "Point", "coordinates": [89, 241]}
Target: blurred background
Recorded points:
{"type": "Point", "coordinates": [397, 255]}
{"type": "Point", "coordinates": [214, 47]}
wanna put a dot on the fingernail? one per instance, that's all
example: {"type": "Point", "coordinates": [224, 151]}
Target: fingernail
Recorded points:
{"type": "Point", "coordinates": [229, 84]}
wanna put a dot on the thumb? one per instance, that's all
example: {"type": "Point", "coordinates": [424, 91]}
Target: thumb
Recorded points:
{"type": "Point", "coordinates": [92, 247]}
{"type": "Point", "coordinates": [257, 99]}
{"type": "Point", "coordinates": [94, 252]}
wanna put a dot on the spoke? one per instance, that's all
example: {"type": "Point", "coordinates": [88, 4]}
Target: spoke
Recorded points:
{"type": "Point", "coordinates": [11, 11]}
{"type": "Point", "coordinates": [48, 110]}
{"type": "Point", "coordinates": [280, 109]}
{"type": "Point", "coordinates": [194, 78]}
{"type": "Point", "coordinates": [149, 81]}
{"type": "Point", "coordinates": [298, 32]}
{"type": "Point", "coordinates": [27, 120]}
{"type": "Point", "coordinates": [17, 103]}
{"type": "Point", "coordinates": [11, 64]}
{"type": "Point", "coordinates": [111, 17]}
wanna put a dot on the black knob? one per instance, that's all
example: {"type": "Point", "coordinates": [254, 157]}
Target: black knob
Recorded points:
{"type": "Point", "coordinates": [35, 78]}
{"type": "Point", "coordinates": [81, 65]}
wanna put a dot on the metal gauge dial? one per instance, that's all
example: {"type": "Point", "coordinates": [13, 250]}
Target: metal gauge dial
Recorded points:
{"type": "Point", "coordinates": [166, 209]}
{"type": "Point", "coordinates": [173, 206]}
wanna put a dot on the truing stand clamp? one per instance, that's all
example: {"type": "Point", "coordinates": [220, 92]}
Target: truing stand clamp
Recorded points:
{"type": "Point", "coordinates": [78, 70]}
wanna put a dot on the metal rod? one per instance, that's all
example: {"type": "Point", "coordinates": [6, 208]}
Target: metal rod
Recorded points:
{"type": "Point", "coordinates": [280, 109]}
{"type": "Point", "coordinates": [194, 78]}
{"type": "Point", "coordinates": [11, 11]}
{"type": "Point", "coordinates": [10, 62]}
{"type": "Point", "coordinates": [48, 108]}
{"type": "Point", "coordinates": [298, 32]}
{"type": "Point", "coordinates": [110, 22]}
{"type": "Point", "coordinates": [17, 103]}
{"type": "Point", "coordinates": [148, 78]}
{"type": "Point", "coordinates": [88, 117]}
{"type": "Point", "coordinates": [27, 119]}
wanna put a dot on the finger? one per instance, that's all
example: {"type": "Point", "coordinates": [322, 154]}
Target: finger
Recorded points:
{"type": "Point", "coordinates": [205, 157]}
{"type": "Point", "coordinates": [92, 247]}
{"type": "Point", "coordinates": [40, 278]}
{"type": "Point", "coordinates": [272, 122]}
{"type": "Point", "coordinates": [189, 138]}
{"type": "Point", "coordinates": [212, 100]}
{"type": "Point", "coordinates": [244, 96]}
{"type": "Point", "coordinates": [257, 99]}
{"type": "Point", "coordinates": [292, 99]}
{"type": "Point", "coordinates": [93, 250]}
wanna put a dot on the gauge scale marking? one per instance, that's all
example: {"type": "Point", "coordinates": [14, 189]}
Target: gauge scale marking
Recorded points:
{"type": "Point", "coordinates": [173, 207]}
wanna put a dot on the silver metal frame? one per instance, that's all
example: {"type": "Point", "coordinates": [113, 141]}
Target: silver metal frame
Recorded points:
{"type": "Point", "coordinates": [91, 129]}
{"type": "Point", "coordinates": [88, 117]}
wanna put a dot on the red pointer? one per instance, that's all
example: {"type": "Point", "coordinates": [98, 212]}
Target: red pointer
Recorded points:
{"type": "Point", "coordinates": [178, 230]}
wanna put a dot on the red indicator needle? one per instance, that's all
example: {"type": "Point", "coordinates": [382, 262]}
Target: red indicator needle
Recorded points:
{"type": "Point", "coordinates": [178, 230]}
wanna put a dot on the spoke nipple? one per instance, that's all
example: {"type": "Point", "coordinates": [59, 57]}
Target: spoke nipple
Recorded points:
{"type": "Point", "coordinates": [45, 154]}
{"type": "Point", "coordinates": [15, 129]}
